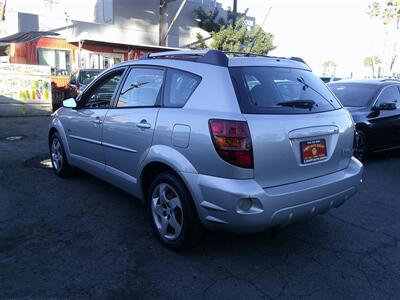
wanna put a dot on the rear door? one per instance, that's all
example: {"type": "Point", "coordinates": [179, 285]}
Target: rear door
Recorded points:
{"type": "Point", "coordinates": [129, 126]}
{"type": "Point", "coordinates": [298, 129]}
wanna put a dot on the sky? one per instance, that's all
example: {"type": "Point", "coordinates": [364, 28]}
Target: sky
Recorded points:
{"type": "Point", "coordinates": [321, 30]}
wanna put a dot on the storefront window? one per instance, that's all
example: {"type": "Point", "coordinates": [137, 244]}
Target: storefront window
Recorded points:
{"type": "Point", "coordinates": [94, 61]}
{"type": "Point", "coordinates": [58, 60]}
{"type": "Point", "coordinates": [106, 62]}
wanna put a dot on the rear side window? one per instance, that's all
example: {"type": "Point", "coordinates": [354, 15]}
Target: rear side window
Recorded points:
{"type": "Point", "coordinates": [276, 90]}
{"type": "Point", "coordinates": [142, 88]}
{"type": "Point", "coordinates": [179, 87]}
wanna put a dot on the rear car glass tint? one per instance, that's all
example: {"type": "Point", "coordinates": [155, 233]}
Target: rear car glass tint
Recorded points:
{"type": "Point", "coordinates": [141, 88]}
{"type": "Point", "coordinates": [265, 90]}
{"type": "Point", "coordinates": [354, 94]}
{"type": "Point", "coordinates": [179, 87]}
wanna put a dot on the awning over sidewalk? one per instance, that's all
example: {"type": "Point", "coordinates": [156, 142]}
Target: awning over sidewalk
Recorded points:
{"type": "Point", "coordinates": [136, 46]}
{"type": "Point", "coordinates": [22, 37]}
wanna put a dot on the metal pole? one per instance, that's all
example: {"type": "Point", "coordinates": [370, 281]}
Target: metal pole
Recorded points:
{"type": "Point", "coordinates": [164, 37]}
{"type": "Point", "coordinates": [163, 20]}
{"type": "Point", "coordinates": [234, 13]}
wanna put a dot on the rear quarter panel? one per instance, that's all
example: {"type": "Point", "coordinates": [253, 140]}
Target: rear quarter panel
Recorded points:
{"type": "Point", "coordinates": [214, 98]}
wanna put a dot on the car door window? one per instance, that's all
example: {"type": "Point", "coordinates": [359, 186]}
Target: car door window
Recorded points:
{"type": "Point", "coordinates": [179, 87]}
{"type": "Point", "coordinates": [101, 94]}
{"type": "Point", "coordinates": [142, 88]}
{"type": "Point", "coordinates": [389, 95]}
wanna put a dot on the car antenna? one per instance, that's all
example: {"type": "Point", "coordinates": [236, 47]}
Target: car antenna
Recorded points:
{"type": "Point", "coordinates": [258, 32]}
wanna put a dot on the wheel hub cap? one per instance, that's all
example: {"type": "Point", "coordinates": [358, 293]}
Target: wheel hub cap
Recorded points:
{"type": "Point", "coordinates": [56, 155]}
{"type": "Point", "coordinates": [167, 211]}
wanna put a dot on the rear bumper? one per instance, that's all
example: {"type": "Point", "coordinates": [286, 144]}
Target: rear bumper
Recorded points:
{"type": "Point", "coordinates": [217, 199]}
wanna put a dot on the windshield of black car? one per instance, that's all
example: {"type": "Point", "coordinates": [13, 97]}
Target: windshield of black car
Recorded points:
{"type": "Point", "coordinates": [87, 77]}
{"type": "Point", "coordinates": [354, 94]}
{"type": "Point", "coordinates": [266, 89]}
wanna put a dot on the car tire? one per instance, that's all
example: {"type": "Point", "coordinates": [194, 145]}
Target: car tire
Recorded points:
{"type": "Point", "coordinates": [58, 158]}
{"type": "Point", "coordinates": [172, 213]}
{"type": "Point", "coordinates": [360, 145]}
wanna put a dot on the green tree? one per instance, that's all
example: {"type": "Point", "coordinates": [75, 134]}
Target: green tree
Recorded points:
{"type": "Point", "coordinates": [229, 37]}
{"type": "Point", "coordinates": [387, 10]}
{"type": "Point", "coordinates": [328, 66]}
{"type": "Point", "coordinates": [208, 20]}
{"type": "Point", "coordinates": [200, 44]}
{"type": "Point", "coordinates": [372, 62]}
{"type": "Point", "coordinates": [241, 39]}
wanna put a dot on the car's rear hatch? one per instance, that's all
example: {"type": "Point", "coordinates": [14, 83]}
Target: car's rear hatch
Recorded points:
{"type": "Point", "coordinates": [276, 145]}
{"type": "Point", "coordinates": [298, 129]}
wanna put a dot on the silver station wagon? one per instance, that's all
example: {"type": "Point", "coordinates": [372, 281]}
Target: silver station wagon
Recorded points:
{"type": "Point", "coordinates": [207, 139]}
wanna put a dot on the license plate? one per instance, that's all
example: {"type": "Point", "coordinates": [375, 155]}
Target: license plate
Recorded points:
{"type": "Point", "coordinates": [312, 151]}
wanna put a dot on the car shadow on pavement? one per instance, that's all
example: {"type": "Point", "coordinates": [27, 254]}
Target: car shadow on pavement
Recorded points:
{"type": "Point", "coordinates": [383, 155]}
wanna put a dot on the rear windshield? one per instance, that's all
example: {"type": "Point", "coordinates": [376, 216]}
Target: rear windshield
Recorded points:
{"type": "Point", "coordinates": [269, 90]}
{"type": "Point", "coordinates": [353, 94]}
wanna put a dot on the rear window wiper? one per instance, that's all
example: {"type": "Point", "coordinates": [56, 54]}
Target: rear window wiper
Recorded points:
{"type": "Point", "coordinates": [306, 86]}
{"type": "Point", "coordinates": [306, 104]}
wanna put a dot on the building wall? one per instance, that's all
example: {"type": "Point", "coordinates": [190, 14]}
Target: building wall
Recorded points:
{"type": "Point", "coordinates": [133, 22]}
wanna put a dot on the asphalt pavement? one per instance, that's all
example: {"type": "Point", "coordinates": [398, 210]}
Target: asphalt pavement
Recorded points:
{"type": "Point", "coordinates": [83, 238]}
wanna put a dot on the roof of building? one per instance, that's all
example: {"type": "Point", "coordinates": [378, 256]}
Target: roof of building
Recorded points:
{"type": "Point", "coordinates": [22, 37]}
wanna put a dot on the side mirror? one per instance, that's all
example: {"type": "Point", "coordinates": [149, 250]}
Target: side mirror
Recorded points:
{"type": "Point", "coordinates": [386, 106]}
{"type": "Point", "coordinates": [69, 103]}
{"type": "Point", "coordinates": [73, 82]}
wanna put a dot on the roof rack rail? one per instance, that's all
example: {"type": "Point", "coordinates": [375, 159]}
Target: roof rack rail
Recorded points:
{"type": "Point", "coordinates": [299, 59]}
{"type": "Point", "coordinates": [238, 53]}
{"type": "Point", "coordinates": [212, 57]}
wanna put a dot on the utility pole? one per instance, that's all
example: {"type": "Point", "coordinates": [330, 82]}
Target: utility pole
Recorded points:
{"type": "Point", "coordinates": [234, 13]}
{"type": "Point", "coordinates": [164, 28]}
{"type": "Point", "coordinates": [3, 5]}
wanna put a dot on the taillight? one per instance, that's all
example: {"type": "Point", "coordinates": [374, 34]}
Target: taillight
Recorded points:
{"type": "Point", "coordinates": [232, 142]}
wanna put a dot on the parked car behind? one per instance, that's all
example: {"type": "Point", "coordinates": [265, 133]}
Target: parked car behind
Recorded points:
{"type": "Point", "coordinates": [77, 83]}
{"type": "Point", "coordinates": [239, 144]}
{"type": "Point", "coordinates": [375, 107]}
{"type": "Point", "coordinates": [81, 79]}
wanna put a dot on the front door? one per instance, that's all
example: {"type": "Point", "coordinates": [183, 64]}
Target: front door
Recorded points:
{"type": "Point", "coordinates": [385, 129]}
{"type": "Point", "coordinates": [84, 125]}
{"type": "Point", "coordinates": [129, 126]}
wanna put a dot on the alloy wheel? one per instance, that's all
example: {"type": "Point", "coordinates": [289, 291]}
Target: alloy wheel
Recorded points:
{"type": "Point", "coordinates": [56, 154]}
{"type": "Point", "coordinates": [166, 207]}
{"type": "Point", "coordinates": [359, 145]}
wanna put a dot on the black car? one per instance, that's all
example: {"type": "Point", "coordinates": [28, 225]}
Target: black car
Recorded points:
{"type": "Point", "coordinates": [375, 107]}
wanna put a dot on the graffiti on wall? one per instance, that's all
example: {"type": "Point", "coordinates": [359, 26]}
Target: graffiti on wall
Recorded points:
{"type": "Point", "coordinates": [25, 83]}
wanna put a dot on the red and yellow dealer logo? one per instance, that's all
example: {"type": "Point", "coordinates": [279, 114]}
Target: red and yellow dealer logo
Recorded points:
{"type": "Point", "coordinates": [314, 151]}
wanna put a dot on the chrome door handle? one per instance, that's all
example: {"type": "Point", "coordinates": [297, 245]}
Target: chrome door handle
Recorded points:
{"type": "Point", "coordinates": [143, 124]}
